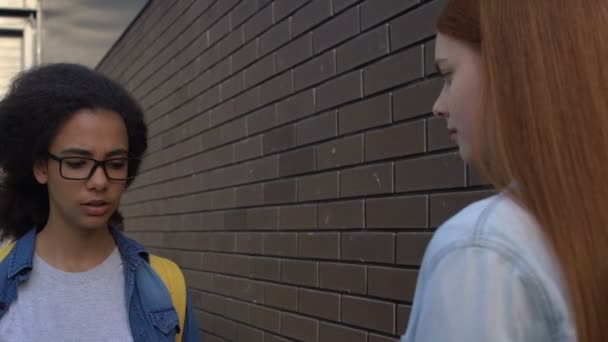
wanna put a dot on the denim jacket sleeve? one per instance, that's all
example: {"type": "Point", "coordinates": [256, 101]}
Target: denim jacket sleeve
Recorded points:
{"type": "Point", "coordinates": [476, 293]}
{"type": "Point", "coordinates": [191, 332]}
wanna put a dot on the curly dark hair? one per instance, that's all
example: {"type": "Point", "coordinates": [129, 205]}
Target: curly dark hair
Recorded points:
{"type": "Point", "coordinates": [38, 103]}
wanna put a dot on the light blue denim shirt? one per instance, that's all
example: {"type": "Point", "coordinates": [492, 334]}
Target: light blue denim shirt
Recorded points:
{"type": "Point", "coordinates": [490, 275]}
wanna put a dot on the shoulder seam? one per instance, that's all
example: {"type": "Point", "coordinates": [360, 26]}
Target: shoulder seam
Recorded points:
{"type": "Point", "coordinates": [511, 257]}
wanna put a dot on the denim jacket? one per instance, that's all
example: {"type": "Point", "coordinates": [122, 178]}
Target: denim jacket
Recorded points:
{"type": "Point", "coordinates": [151, 313]}
{"type": "Point", "coordinates": [490, 275]}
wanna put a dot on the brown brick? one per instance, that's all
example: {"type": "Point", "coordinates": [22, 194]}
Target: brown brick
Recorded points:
{"type": "Point", "coordinates": [235, 219]}
{"type": "Point", "coordinates": [192, 222]}
{"type": "Point", "coordinates": [319, 304]}
{"type": "Point", "coordinates": [262, 218]}
{"type": "Point", "coordinates": [343, 277]}
{"type": "Point", "coordinates": [223, 285]}
{"type": "Point", "coordinates": [218, 157]}
{"type": "Point", "coordinates": [250, 195]}
{"type": "Point", "coordinates": [209, 139]}
{"type": "Point", "coordinates": [395, 141]}
{"type": "Point", "coordinates": [310, 15]}
{"type": "Point", "coordinates": [267, 269]}
{"type": "Point", "coordinates": [242, 12]}
{"type": "Point", "coordinates": [341, 215]}
{"type": "Point", "coordinates": [208, 337]}
{"type": "Point", "coordinates": [298, 217]}
{"type": "Point", "coordinates": [248, 148]}
{"type": "Point", "coordinates": [221, 327]}
{"type": "Point", "coordinates": [295, 52]}
{"type": "Point", "coordinates": [237, 310]}
{"type": "Point", "coordinates": [416, 100]}
{"type": "Point", "coordinates": [273, 338]}
{"type": "Point", "coordinates": [301, 273]}
{"type": "Point", "coordinates": [403, 316]}
{"type": "Point", "coordinates": [340, 90]}
{"type": "Point", "coordinates": [319, 245]}
{"type": "Point", "coordinates": [332, 332]}
{"type": "Point", "coordinates": [224, 7]}
{"type": "Point", "coordinates": [199, 280]}
{"type": "Point", "coordinates": [374, 12]}
{"type": "Point", "coordinates": [315, 71]}
{"type": "Point", "coordinates": [317, 128]}
{"type": "Point", "coordinates": [250, 243]}
{"type": "Point", "coordinates": [223, 199]}
{"type": "Point", "coordinates": [436, 172]}
{"type": "Point", "coordinates": [429, 58]}
{"type": "Point", "coordinates": [318, 187]}
{"type": "Point", "coordinates": [391, 283]}
{"type": "Point", "coordinates": [370, 314]}
{"type": "Point", "coordinates": [363, 49]}
{"type": "Point", "coordinates": [231, 42]}
{"type": "Point", "coordinates": [297, 106]}
{"type": "Point", "coordinates": [283, 244]}
{"type": "Point", "coordinates": [248, 290]}
{"type": "Point", "coordinates": [299, 327]}
{"type": "Point", "coordinates": [337, 30]}
{"type": "Point", "coordinates": [214, 263]}
{"type": "Point", "coordinates": [265, 318]}
{"type": "Point", "coordinates": [394, 70]}
{"type": "Point", "coordinates": [281, 297]}
{"type": "Point", "coordinates": [281, 191]}
{"type": "Point", "coordinates": [397, 212]}
{"type": "Point", "coordinates": [285, 8]}
{"type": "Point", "coordinates": [262, 119]}
{"type": "Point", "coordinates": [214, 304]}
{"type": "Point", "coordinates": [365, 114]}
{"type": "Point", "coordinates": [245, 55]}
{"type": "Point", "coordinates": [438, 136]}
{"type": "Point", "coordinates": [279, 139]}
{"type": "Point", "coordinates": [367, 180]}
{"type": "Point", "coordinates": [297, 162]}
{"type": "Point", "coordinates": [444, 206]}
{"type": "Point", "coordinates": [415, 25]}
{"type": "Point", "coordinates": [339, 5]}
{"type": "Point", "coordinates": [368, 247]}
{"type": "Point", "coordinates": [277, 88]}
{"type": "Point", "coordinates": [276, 36]}
{"type": "Point", "coordinates": [219, 30]}
{"type": "Point", "coordinates": [258, 23]}
{"type": "Point", "coordinates": [379, 338]}
{"type": "Point", "coordinates": [411, 247]}
{"type": "Point", "coordinates": [340, 152]}
{"type": "Point", "coordinates": [238, 265]}
{"type": "Point", "coordinates": [247, 101]}
{"type": "Point", "coordinates": [245, 333]}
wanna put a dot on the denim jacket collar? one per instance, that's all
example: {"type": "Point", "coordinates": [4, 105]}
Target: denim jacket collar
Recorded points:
{"type": "Point", "coordinates": [21, 259]}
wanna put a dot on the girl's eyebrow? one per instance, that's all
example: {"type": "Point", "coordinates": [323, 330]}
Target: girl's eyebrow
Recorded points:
{"type": "Point", "coordinates": [86, 153]}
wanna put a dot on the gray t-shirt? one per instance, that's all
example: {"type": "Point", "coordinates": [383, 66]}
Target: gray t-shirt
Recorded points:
{"type": "Point", "coordinates": [53, 305]}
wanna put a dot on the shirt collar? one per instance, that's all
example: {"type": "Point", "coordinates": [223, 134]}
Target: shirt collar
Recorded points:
{"type": "Point", "coordinates": [21, 258]}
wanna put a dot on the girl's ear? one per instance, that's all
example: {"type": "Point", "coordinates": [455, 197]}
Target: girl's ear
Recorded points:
{"type": "Point", "coordinates": [41, 171]}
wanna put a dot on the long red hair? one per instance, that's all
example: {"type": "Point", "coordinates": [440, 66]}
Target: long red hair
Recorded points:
{"type": "Point", "coordinates": [546, 126]}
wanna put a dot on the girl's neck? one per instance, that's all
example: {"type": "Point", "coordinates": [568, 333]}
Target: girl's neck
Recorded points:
{"type": "Point", "coordinates": [73, 249]}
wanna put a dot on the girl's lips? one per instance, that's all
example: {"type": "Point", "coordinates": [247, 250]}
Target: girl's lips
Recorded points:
{"type": "Point", "coordinates": [96, 210]}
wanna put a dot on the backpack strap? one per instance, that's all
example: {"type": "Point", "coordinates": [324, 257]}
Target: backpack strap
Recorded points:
{"type": "Point", "coordinates": [174, 280]}
{"type": "Point", "coordinates": [4, 251]}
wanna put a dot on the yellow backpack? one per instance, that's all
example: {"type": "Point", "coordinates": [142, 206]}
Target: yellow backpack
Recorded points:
{"type": "Point", "coordinates": [168, 271]}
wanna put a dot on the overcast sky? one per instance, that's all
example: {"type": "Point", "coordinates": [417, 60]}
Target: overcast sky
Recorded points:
{"type": "Point", "coordinates": [82, 31]}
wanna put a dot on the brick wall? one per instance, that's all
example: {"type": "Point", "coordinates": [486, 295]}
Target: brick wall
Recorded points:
{"type": "Point", "coordinates": [294, 171]}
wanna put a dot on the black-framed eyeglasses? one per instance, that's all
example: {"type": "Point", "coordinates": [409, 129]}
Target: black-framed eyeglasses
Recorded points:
{"type": "Point", "coordinates": [83, 168]}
